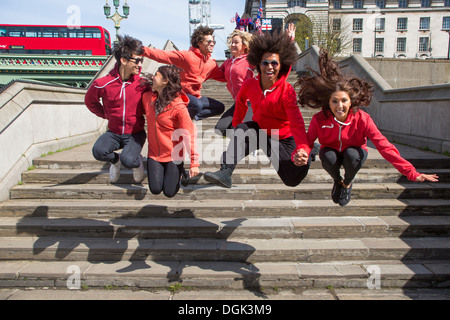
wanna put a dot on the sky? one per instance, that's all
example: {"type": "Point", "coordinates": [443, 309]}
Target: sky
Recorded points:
{"type": "Point", "coordinates": [151, 21]}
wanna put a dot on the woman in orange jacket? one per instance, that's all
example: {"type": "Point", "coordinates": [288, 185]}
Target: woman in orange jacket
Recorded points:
{"type": "Point", "coordinates": [171, 133]}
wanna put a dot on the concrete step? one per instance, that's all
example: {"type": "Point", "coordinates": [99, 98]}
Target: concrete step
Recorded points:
{"type": "Point", "coordinates": [241, 175]}
{"type": "Point", "coordinates": [228, 228]}
{"type": "Point", "coordinates": [103, 209]}
{"type": "Point", "coordinates": [193, 278]}
{"type": "Point", "coordinates": [247, 250]}
{"type": "Point", "coordinates": [79, 189]}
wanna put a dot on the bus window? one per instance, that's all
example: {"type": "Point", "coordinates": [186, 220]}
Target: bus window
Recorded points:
{"type": "Point", "coordinates": [15, 32]}
{"type": "Point", "coordinates": [92, 33]}
{"type": "Point", "coordinates": [2, 32]}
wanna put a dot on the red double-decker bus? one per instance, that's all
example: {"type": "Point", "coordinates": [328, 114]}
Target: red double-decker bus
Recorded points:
{"type": "Point", "coordinates": [54, 40]}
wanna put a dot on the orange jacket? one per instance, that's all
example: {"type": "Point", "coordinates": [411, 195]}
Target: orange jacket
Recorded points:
{"type": "Point", "coordinates": [197, 68]}
{"type": "Point", "coordinates": [170, 132]}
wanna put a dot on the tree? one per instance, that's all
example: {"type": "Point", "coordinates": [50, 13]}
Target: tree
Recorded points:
{"type": "Point", "coordinates": [323, 31]}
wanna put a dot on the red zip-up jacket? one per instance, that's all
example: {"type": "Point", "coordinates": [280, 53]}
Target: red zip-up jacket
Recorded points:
{"type": "Point", "coordinates": [275, 110]}
{"type": "Point", "coordinates": [236, 71]}
{"type": "Point", "coordinates": [197, 68]}
{"type": "Point", "coordinates": [354, 133]}
{"type": "Point", "coordinates": [120, 102]}
{"type": "Point", "coordinates": [165, 142]}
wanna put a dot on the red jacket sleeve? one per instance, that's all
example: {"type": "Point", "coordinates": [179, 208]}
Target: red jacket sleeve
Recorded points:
{"type": "Point", "coordinates": [164, 56]}
{"type": "Point", "coordinates": [217, 74]}
{"type": "Point", "coordinates": [92, 101]}
{"type": "Point", "coordinates": [313, 132]}
{"type": "Point", "coordinates": [389, 151]}
{"type": "Point", "coordinates": [187, 124]}
{"type": "Point", "coordinates": [241, 106]}
{"type": "Point", "coordinates": [296, 121]}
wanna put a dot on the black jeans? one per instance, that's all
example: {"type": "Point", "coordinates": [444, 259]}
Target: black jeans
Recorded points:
{"type": "Point", "coordinates": [225, 122]}
{"type": "Point", "coordinates": [204, 107]}
{"type": "Point", "coordinates": [109, 142]}
{"type": "Point", "coordinates": [351, 158]}
{"type": "Point", "coordinates": [249, 137]}
{"type": "Point", "coordinates": [164, 177]}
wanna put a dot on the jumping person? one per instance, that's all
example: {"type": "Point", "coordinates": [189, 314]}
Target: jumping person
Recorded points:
{"type": "Point", "coordinates": [235, 70]}
{"type": "Point", "coordinates": [197, 67]}
{"type": "Point", "coordinates": [171, 132]}
{"type": "Point", "coordinates": [276, 117]}
{"type": "Point", "coordinates": [120, 93]}
{"type": "Point", "coordinates": [342, 128]}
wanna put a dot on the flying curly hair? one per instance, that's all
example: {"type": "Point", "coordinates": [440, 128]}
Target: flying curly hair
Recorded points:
{"type": "Point", "coordinates": [278, 43]}
{"type": "Point", "coordinates": [199, 34]}
{"type": "Point", "coordinates": [171, 91]}
{"type": "Point", "coordinates": [317, 88]}
{"type": "Point", "coordinates": [126, 46]}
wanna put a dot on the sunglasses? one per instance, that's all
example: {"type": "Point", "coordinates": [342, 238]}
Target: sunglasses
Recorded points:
{"type": "Point", "coordinates": [211, 41]}
{"type": "Point", "coordinates": [266, 63]}
{"type": "Point", "coordinates": [137, 60]}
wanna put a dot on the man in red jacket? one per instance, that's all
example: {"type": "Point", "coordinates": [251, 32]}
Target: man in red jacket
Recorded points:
{"type": "Point", "coordinates": [197, 66]}
{"type": "Point", "coordinates": [117, 98]}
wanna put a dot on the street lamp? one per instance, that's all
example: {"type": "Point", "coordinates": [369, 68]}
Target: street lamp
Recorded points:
{"type": "Point", "coordinates": [116, 17]}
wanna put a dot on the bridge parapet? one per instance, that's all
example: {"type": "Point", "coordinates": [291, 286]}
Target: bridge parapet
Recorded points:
{"type": "Point", "coordinates": [71, 70]}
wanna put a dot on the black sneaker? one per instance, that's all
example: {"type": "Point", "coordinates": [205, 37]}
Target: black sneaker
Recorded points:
{"type": "Point", "coordinates": [186, 180]}
{"type": "Point", "coordinates": [345, 196]}
{"type": "Point", "coordinates": [336, 191]}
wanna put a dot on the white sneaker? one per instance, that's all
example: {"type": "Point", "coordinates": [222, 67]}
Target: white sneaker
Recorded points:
{"type": "Point", "coordinates": [138, 173]}
{"type": "Point", "coordinates": [114, 172]}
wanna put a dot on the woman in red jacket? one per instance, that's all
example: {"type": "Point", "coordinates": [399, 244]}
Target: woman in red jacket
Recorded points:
{"type": "Point", "coordinates": [171, 132]}
{"type": "Point", "coordinates": [277, 127]}
{"type": "Point", "coordinates": [343, 129]}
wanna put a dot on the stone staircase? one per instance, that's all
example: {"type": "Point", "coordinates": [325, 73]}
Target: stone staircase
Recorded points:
{"type": "Point", "coordinates": [259, 235]}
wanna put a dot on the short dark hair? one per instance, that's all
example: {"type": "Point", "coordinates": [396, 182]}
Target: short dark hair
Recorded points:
{"type": "Point", "coordinates": [126, 47]}
{"type": "Point", "coordinates": [279, 43]}
{"type": "Point", "coordinates": [199, 34]}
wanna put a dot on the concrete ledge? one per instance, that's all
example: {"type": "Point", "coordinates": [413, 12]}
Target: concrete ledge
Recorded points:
{"type": "Point", "coordinates": [37, 119]}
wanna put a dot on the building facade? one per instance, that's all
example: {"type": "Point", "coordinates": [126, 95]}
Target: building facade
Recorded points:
{"type": "Point", "coordinates": [412, 29]}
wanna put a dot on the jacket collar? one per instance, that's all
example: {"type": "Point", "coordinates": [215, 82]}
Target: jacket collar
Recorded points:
{"type": "Point", "coordinates": [282, 79]}
{"type": "Point", "coordinates": [199, 54]}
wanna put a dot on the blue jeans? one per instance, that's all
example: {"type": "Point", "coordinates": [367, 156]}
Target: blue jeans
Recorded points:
{"type": "Point", "coordinates": [109, 142]}
{"type": "Point", "coordinates": [204, 107]}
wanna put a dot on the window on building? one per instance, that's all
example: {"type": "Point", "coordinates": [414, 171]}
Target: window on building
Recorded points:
{"type": "Point", "coordinates": [379, 44]}
{"type": "Point", "coordinates": [402, 24]}
{"type": "Point", "coordinates": [357, 45]}
{"type": "Point", "coordinates": [380, 4]}
{"type": "Point", "coordinates": [336, 24]}
{"type": "Point", "coordinates": [425, 3]}
{"type": "Point", "coordinates": [446, 23]}
{"type": "Point", "coordinates": [403, 3]}
{"type": "Point", "coordinates": [423, 44]}
{"type": "Point", "coordinates": [379, 24]}
{"type": "Point", "coordinates": [446, 3]}
{"type": "Point", "coordinates": [401, 44]}
{"type": "Point", "coordinates": [358, 25]}
{"type": "Point", "coordinates": [358, 4]}
{"type": "Point", "coordinates": [297, 3]}
{"type": "Point", "coordinates": [424, 23]}
{"type": "Point", "coordinates": [338, 4]}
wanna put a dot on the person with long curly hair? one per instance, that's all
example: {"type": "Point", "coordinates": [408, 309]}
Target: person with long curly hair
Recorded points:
{"type": "Point", "coordinates": [342, 128]}
{"type": "Point", "coordinates": [277, 125]}
{"type": "Point", "coordinates": [171, 132]}
{"type": "Point", "coordinates": [197, 67]}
